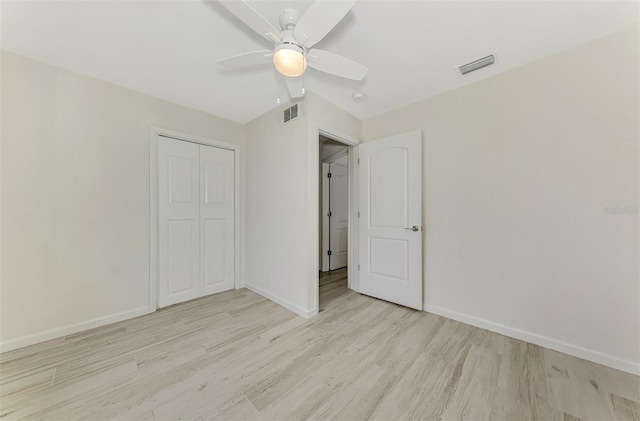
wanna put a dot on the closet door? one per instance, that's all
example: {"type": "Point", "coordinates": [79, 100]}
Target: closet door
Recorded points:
{"type": "Point", "coordinates": [217, 206]}
{"type": "Point", "coordinates": [179, 221]}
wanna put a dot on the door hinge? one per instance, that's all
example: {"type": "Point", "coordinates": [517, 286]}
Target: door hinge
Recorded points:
{"type": "Point", "coordinates": [329, 175]}
{"type": "Point", "coordinates": [358, 267]}
{"type": "Point", "coordinates": [329, 252]}
{"type": "Point", "coordinates": [358, 214]}
{"type": "Point", "coordinates": [329, 214]}
{"type": "Point", "coordinates": [358, 161]}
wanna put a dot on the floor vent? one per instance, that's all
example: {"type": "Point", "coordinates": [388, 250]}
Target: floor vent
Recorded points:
{"type": "Point", "coordinates": [477, 64]}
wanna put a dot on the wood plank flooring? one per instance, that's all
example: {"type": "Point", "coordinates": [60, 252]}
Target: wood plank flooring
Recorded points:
{"type": "Point", "coordinates": [238, 356]}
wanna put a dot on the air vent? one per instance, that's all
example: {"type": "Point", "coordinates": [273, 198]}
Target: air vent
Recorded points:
{"type": "Point", "coordinates": [290, 113]}
{"type": "Point", "coordinates": [477, 64]}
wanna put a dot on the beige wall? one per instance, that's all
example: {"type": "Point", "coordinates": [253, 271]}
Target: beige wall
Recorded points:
{"type": "Point", "coordinates": [519, 170]}
{"type": "Point", "coordinates": [75, 197]}
{"type": "Point", "coordinates": [276, 207]}
{"type": "Point", "coordinates": [282, 201]}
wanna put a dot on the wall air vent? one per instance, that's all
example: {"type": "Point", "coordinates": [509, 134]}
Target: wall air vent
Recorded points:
{"type": "Point", "coordinates": [477, 64]}
{"type": "Point", "coordinates": [290, 113]}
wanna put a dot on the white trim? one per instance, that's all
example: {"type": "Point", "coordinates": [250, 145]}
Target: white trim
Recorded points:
{"type": "Point", "coordinates": [284, 303]}
{"type": "Point", "coordinates": [353, 273]}
{"type": "Point", "coordinates": [153, 219]}
{"type": "Point", "coordinates": [544, 341]}
{"type": "Point", "coordinates": [74, 328]}
{"type": "Point", "coordinates": [154, 133]}
{"type": "Point", "coordinates": [334, 134]}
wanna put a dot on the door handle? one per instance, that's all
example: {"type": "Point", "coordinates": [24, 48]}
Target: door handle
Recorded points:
{"type": "Point", "coordinates": [413, 228]}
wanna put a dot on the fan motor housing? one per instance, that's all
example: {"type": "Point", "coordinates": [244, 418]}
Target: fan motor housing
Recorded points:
{"type": "Point", "coordinates": [289, 18]}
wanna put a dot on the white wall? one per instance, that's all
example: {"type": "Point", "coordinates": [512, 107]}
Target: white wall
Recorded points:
{"type": "Point", "coordinates": [519, 171]}
{"type": "Point", "coordinates": [75, 197]}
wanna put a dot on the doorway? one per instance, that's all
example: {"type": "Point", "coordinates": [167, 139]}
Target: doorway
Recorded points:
{"type": "Point", "coordinates": [334, 218]}
{"type": "Point", "coordinates": [384, 226]}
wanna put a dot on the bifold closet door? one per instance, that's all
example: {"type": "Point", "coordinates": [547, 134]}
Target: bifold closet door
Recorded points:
{"type": "Point", "coordinates": [217, 240]}
{"type": "Point", "coordinates": [179, 219]}
{"type": "Point", "coordinates": [196, 220]}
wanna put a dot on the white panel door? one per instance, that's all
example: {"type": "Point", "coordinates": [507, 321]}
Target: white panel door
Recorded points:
{"type": "Point", "coordinates": [339, 219]}
{"type": "Point", "coordinates": [325, 245]}
{"type": "Point", "coordinates": [390, 234]}
{"type": "Point", "coordinates": [217, 207]}
{"type": "Point", "coordinates": [179, 222]}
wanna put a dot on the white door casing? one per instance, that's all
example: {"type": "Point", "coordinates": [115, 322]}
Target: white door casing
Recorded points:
{"type": "Point", "coordinates": [217, 260]}
{"type": "Point", "coordinates": [178, 215]}
{"type": "Point", "coordinates": [390, 231]}
{"type": "Point", "coordinates": [339, 208]}
{"type": "Point", "coordinates": [196, 220]}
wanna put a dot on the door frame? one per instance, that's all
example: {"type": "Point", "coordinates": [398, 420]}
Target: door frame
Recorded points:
{"type": "Point", "coordinates": [154, 135]}
{"type": "Point", "coordinates": [352, 263]}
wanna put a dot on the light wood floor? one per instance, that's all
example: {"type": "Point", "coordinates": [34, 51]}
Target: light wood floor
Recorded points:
{"type": "Point", "coordinates": [236, 355]}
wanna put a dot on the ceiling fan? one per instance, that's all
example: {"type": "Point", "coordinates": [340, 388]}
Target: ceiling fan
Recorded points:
{"type": "Point", "coordinates": [292, 52]}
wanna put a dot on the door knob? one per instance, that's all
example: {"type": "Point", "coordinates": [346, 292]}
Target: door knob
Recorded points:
{"type": "Point", "coordinates": [413, 228]}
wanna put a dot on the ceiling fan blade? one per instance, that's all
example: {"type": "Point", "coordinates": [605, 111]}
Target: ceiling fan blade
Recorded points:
{"type": "Point", "coordinates": [295, 85]}
{"type": "Point", "coordinates": [243, 61]}
{"type": "Point", "coordinates": [321, 17]}
{"type": "Point", "coordinates": [334, 64]}
{"type": "Point", "coordinates": [252, 19]}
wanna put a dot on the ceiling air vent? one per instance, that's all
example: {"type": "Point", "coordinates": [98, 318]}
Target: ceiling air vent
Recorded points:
{"type": "Point", "coordinates": [477, 64]}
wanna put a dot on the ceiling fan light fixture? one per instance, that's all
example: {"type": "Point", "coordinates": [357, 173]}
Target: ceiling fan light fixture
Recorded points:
{"type": "Point", "coordinates": [289, 59]}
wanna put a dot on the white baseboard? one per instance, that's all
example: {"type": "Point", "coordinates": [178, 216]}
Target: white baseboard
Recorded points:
{"type": "Point", "coordinates": [284, 303]}
{"type": "Point", "coordinates": [560, 346]}
{"type": "Point", "coordinates": [71, 329]}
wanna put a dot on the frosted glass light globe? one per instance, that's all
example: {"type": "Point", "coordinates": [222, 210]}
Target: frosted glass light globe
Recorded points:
{"type": "Point", "coordinates": [289, 60]}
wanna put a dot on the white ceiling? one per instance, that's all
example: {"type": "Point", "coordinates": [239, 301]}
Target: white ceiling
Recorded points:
{"type": "Point", "coordinates": [169, 49]}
